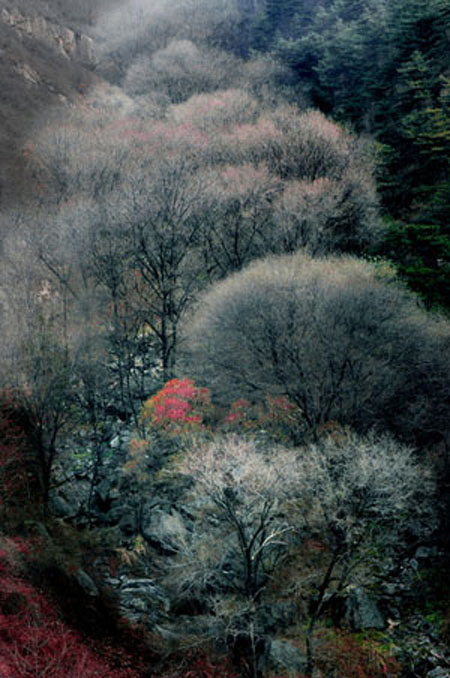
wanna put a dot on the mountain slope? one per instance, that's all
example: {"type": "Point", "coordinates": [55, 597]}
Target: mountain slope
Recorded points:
{"type": "Point", "coordinates": [44, 64]}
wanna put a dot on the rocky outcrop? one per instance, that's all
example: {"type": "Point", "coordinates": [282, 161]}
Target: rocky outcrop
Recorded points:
{"type": "Point", "coordinates": [141, 601]}
{"type": "Point", "coordinates": [439, 672]}
{"type": "Point", "coordinates": [66, 42]}
{"type": "Point", "coordinates": [164, 531]}
{"type": "Point", "coordinates": [362, 612]}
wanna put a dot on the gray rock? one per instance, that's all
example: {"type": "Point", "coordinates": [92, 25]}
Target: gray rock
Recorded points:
{"type": "Point", "coordinates": [425, 552]}
{"type": "Point", "coordinates": [61, 508]}
{"type": "Point", "coordinates": [67, 43]}
{"type": "Point", "coordinates": [126, 437]}
{"type": "Point", "coordinates": [115, 442]}
{"type": "Point", "coordinates": [362, 612]}
{"type": "Point", "coordinates": [103, 490]}
{"type": "Point", "coordinates": [390, 589]}
{"type": "Point", "coordinates": [438, 672]}
{"type": "Point", "coordinates": [86, 583]}
{"type": "Point", "coordinates": [165, 531]}
{"type": "Point", "coordinates": [146, 590]}
{"type": "Point", "coordinates": [140, 601]}
{"type": "Point", "coordinates": [138, 604]}
{"type": "Point", "coordinates": [284, 655]}
{"type": "Point", "coordinates": [128, 521]}
{"type": "Point", "coordinates": [273, 618]}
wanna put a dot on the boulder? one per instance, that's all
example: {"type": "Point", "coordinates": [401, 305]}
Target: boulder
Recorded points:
{"type": "Point", "coordinates": [277, 616]}
{"type": "Point", "coordinates": [438, 672]}
{"type": "Point", "coordinates": [115, 442]}
{"type": "Point", "coordinates": [61, 508]}
{"type": "Point", "coordinates": [141, 601]}
{"type": "Point", "coordinates": [362, 612]}
{"type": "Point", "coordinates": [426, 553]}
{"type": "Point", "coordinates": [284, 656]}
{"type": "Point", "coordinates": [86, 583]}
{"type": "Point", "coordinates": [128, 522]}
{"type": "Point", "coordinates": [164, 531]}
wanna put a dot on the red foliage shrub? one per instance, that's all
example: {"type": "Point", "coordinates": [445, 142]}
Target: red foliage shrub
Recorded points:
{"type": "Point", "coordinates": [277, 416]}
{"type": "Point", "coordinates": [182, 407]}
{"type": "Point", "coordinates": [34, 642]}
{"type": "Point", "coordinates": [344, 655]}
{"type": "Point", "coordinates": [201, 666]}
{"type": "Point", "coordinates": [179, 407]}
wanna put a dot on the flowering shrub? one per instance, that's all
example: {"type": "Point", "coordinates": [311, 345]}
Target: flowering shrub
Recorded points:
{"type": "Point", "coordinates": [34, 642]}
{"type": "Point", "coordinates": [179, 407]}
{"type": "Point", "coordinates": [276, 415]}
{"type": "Point", "coordinates": [241, 415]}
{"type": "Point", "coordinates": [216, 111]}
{"type": "Point", "coordinates": [248, 142]}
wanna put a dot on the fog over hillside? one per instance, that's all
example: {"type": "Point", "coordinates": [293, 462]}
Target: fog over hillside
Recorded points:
{"type": "Point", "coordinates": [53, 53]}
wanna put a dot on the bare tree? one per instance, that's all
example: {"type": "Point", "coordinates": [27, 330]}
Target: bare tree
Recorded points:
{"type": "Point", "coordinates": [138, 28]}
{"type": "Point", "coordinates": [310, 146]}
{"type": "Point", "coordinates": [340, 339]}
{"type": "Point", "coordinates": [270, 80]}
{"type": "Point", "coordinates": [56, 352]}
{"type": "Point", "coordinates": [254, 507]}
{"type": "Point", "coordinates": [111, 268]}
{"type": "Point", "coordinates": [78, 155]}
{"type": "Point", "coordinates": [368, 495]}
{"type": "Point", "coordinates": [217, 111]}
{"type": "Point", "coordinates": [159, 211]}
{"type": "Point", "coordinates": [236, 218]}
{"type": "Point", "coordinates": [36, 363]}
{"type": "Point", "coordinates": [244, 529]}
{"type": "Point", "coordinates": [326, 215]}
{"type": "Point", "coordinates": [180, 70]}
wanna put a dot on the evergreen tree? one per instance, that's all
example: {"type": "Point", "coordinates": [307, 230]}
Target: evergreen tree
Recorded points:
{"type": "Point", "coordinates": [422, 256]}
{"type": "Point", "coordinates": [280, 19]}
{"type": "Point", "coordinates": [383, 66]}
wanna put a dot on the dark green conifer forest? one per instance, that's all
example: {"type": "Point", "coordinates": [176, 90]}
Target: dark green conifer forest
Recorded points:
{"type": "Point", "coordinates": [383, 68]}
{"type": "Point", "coordinates": [225, 338]}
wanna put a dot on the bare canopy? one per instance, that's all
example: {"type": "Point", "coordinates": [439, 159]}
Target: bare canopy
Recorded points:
{"type": "Point", "coordinates": [338, 336]}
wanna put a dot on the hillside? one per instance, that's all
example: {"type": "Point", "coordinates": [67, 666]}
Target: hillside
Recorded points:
{"type": "Point", "coordinates": [224, 385]}
{"type": "Point", "coordinates": [48, 59]}
{"type": "Point", "coordinates": [45, 65]}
